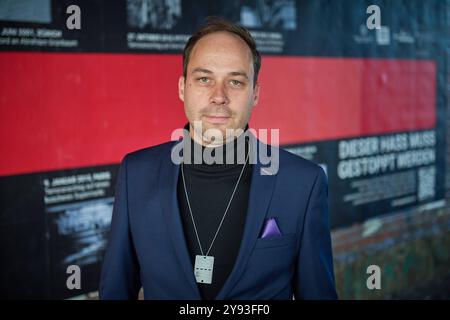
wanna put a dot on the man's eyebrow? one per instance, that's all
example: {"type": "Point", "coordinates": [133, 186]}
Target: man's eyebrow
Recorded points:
{"type": "Point", "coordinates": [232, 73]}
{"type": "Point", "coordinates": [202, 70]}
{"type": "Point", "coordinates": [238, 73]}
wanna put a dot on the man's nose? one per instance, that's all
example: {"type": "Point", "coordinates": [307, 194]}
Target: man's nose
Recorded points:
{"type": "Point", "coordinates": [219, 95]}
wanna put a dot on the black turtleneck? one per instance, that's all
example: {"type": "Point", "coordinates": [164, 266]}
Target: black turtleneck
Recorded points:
{"type": "Point", "coordinates": [209, 188]}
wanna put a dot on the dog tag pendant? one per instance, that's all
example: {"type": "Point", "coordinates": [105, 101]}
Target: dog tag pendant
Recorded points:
{"type": "Point", "coordinates": [203, 269]}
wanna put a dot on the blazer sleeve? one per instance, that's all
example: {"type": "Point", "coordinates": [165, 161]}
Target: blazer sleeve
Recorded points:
{"type": "Point", "coordinates": [314, 277]}
{"type": "Point", "coordinates": [120, 272]}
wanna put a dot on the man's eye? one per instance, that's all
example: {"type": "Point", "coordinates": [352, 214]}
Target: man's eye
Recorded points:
{"type": "Point", "coordinates": [203, 79]}
{"type": "Point", "coordinates": [235, 83]}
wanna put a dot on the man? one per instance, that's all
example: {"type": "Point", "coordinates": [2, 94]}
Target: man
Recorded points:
{"type": "Point", "coordinates": [223, 229]}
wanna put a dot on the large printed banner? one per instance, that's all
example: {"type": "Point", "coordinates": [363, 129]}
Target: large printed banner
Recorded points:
{"type": "Point", "coordinates": [367, 105]}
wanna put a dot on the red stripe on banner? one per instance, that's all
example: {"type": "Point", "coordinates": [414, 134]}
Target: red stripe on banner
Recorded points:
{"type": "Point", "coordinates": [312, 99]}
{"type": "Point", "coordinates": [70, 110]}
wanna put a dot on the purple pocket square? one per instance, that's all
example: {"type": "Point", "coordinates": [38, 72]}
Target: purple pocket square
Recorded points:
{"type": "Point", "coordinates": [270, 229]}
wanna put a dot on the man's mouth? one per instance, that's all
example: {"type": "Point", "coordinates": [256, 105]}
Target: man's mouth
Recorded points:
{"type": "Point", "coordinates": [216, 119]}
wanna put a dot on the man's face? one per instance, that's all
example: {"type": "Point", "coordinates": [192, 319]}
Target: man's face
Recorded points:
{"type": "Point", "coordinates": [218, 89]}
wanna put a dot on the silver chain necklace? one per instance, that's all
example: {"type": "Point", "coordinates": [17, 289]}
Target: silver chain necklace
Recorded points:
{"type": "Point", "coordinates": [204, 264]}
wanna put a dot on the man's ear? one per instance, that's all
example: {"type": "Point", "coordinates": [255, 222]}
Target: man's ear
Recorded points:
{"type": "Point", "coordinates": [256, 95]}
{"type": "Point", "coordinates": [181, 88]}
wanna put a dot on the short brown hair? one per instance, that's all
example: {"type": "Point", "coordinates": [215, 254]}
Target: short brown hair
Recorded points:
{"type": "Point", "coordinates": [217, 24]}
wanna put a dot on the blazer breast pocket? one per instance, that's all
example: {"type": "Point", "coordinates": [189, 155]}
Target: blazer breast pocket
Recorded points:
{"type": "Point", "coordinates": [275, 241]}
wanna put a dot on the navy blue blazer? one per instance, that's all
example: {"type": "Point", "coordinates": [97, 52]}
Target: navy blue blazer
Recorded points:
{"type": "Point", "coordinates": [147, 247]}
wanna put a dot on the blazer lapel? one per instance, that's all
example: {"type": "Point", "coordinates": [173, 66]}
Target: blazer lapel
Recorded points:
{"type": "Point", "coordinates": [261, 190]}
{"type": "Point", "coordinates": [168, 178]}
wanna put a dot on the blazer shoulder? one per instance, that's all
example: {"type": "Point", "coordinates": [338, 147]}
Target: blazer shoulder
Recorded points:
{"type": "Point", "coordinates": [148, 157]}
{"type": "Point", "coordinates": [150, 153]}
{"type": "Point", "coordinates": [297, 166]}
{"type": "Point", "coordinates": [292, 167]}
